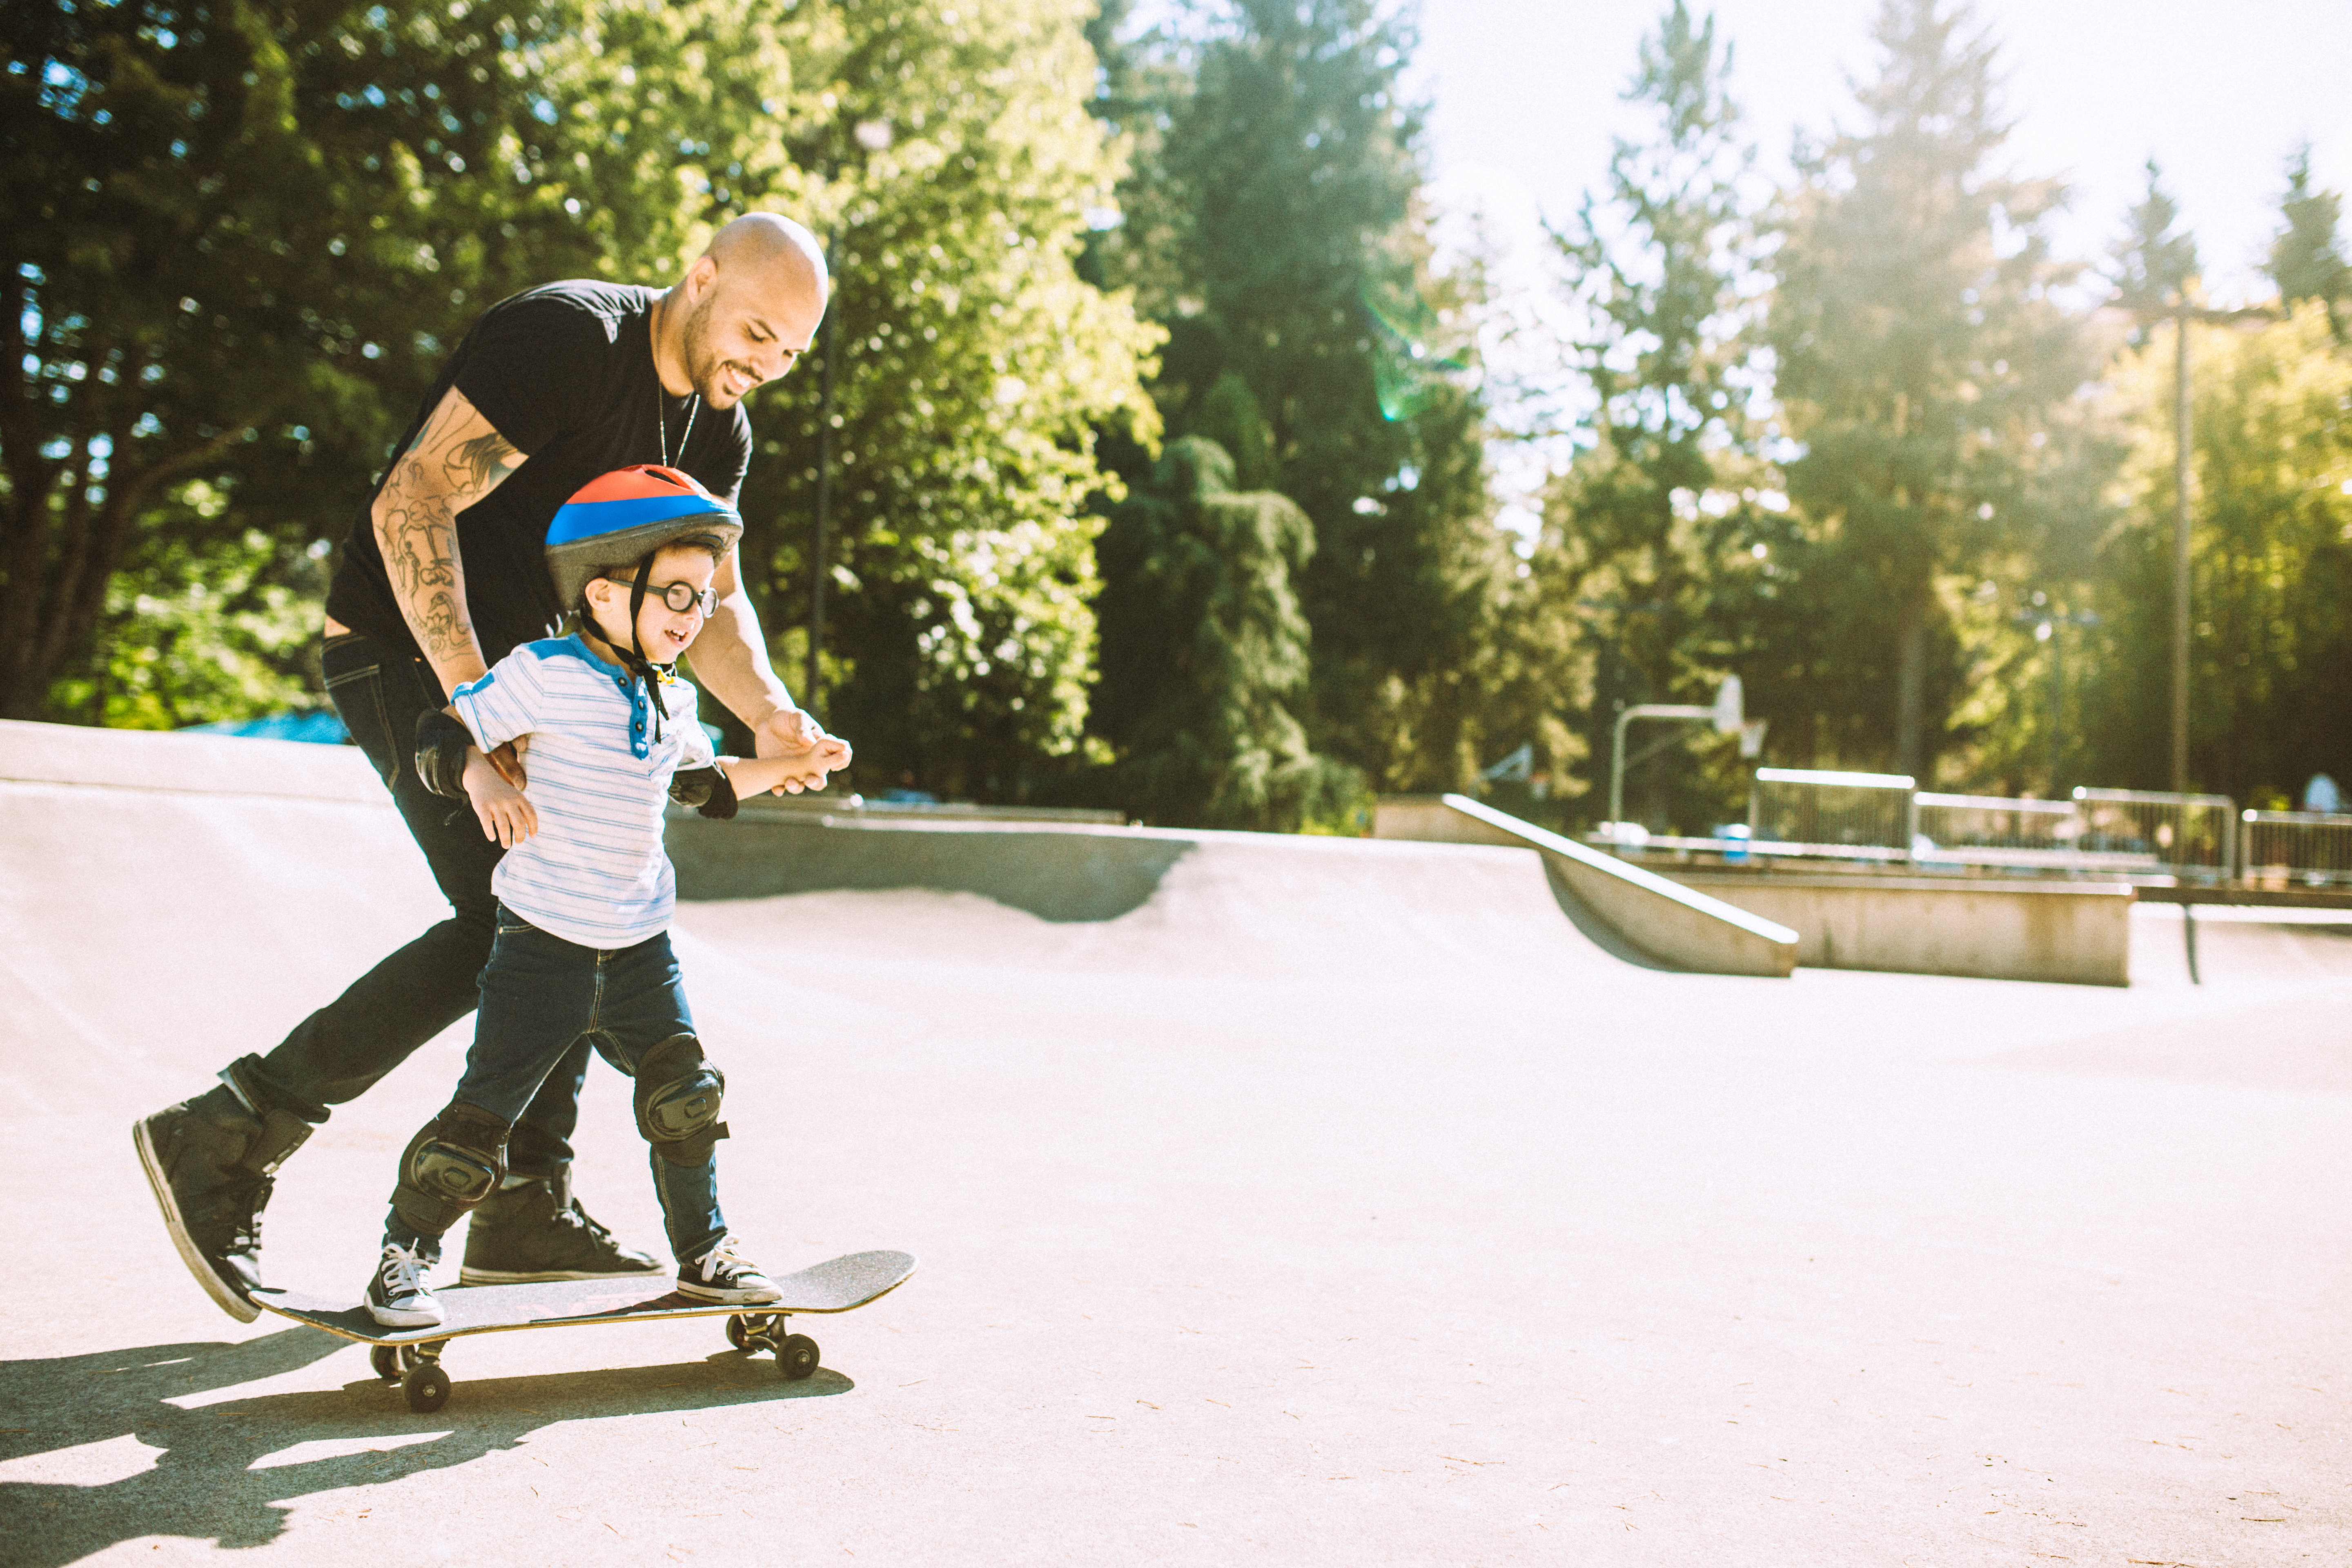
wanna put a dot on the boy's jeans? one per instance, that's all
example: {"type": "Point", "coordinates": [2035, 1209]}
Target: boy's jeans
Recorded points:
{"type": "Point", "coordinates": [541, 997]}
{"type": "Point", "coordinates": [340, 1051]}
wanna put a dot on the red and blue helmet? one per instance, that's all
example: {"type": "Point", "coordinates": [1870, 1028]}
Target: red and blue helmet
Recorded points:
{"type": "Point", "coordinates": [617, 520]}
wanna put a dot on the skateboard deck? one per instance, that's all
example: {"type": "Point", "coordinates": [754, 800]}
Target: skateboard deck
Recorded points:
{"type": "Point", "coordinates": [837, 1285]}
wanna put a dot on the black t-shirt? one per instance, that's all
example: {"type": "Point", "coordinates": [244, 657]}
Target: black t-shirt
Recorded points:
{"type": "Point", "coordinates": [565, 373]}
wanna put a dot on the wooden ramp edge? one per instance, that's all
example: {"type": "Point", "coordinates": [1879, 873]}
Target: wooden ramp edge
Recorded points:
{"type": "Point", "coordinates": [1677, 925]}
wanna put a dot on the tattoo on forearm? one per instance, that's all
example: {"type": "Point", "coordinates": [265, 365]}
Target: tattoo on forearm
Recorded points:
{"type": "Point", "coordinates": [438, 478]}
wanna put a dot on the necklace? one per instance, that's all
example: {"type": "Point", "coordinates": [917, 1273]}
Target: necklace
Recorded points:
{"type": "Point", "coordinates": [661, 409]}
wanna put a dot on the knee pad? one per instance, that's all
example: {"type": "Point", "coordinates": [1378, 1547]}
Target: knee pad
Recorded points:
{"type": "Point", "coordinates": [456, 1161]}
{"type": "Point", "coordinates": [677, 1098]}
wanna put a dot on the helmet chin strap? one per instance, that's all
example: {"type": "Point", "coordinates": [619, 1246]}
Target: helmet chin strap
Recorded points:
{"type": "Point", "coordinates": [634, 659]}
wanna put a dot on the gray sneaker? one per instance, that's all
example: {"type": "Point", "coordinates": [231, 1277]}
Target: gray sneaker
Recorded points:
{"type": "Point", "coordinates": [537, 1230]}
{"type": "Point", "coordinates": [211, 1162]}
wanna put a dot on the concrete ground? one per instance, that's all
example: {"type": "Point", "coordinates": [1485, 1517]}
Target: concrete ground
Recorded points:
{"type": "Point", "coordinates": [1340, 1204]}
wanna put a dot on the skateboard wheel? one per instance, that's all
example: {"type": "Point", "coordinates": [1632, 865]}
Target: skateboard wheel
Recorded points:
{"type": "Point", "coordinates": [426, 1386]}
{"type": "Point", "coordinates": [736, 1330]}
{"type": "Point", "coordinates": [796, 1357]}
{"type": "Point", "coordinates": [385, 1360]}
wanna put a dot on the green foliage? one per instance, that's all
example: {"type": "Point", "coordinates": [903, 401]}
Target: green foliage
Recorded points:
{"type": "Point", "coordinates": [1649, 534]}
{"type": "Point", "coordinates": [1927, 369]}
{"type": "Point", "coordinates": [246, 236]}
{"type": "Point", "coordinates": [1204, 653]}
{"type": "Point", "coordinates": [2307, 258]}
{"type": "Point", "coordinates": [972, 366]}
{"type": "Point", "coordinates": [204, 623]}
{"type": "Point", "coordinates": [2156, 264]}
{"type": "Point", "coordinates": [2271, 556]}
{"type": "Point", "coordinates": [1273, 229]}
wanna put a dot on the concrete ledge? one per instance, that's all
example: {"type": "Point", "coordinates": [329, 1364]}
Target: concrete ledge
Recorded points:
{"type": "Point", "coordinates": [2074, 932]}
{"type": "Point", "coordinates": [1670, 922]}
{"type": "Point", "coordinates": [185, 764]}
{"type": "Point", "coordinates": [1056, 871]}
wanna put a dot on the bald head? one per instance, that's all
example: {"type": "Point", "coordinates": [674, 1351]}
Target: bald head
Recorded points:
{"type": "Point", "coordinates": [771, 245]}
{"type": "Point", "coordinates": [744, 311]}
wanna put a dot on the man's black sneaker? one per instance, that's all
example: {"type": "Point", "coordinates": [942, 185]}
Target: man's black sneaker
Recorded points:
{"type": "Point", "coordinates": [723, 1274]}
{"type": "Point", "coordinates": [539, 1231]}
{"type": "Point", "coordinates": [397, 1296]}
{"type": "Point", "coordinates": [211, 1162]}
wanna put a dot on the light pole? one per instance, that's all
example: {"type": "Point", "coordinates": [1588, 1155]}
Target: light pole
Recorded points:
{"type": "Point", "coordinates": [2181, 313]}
{"type": "Point", "coordinates": [875, 136]}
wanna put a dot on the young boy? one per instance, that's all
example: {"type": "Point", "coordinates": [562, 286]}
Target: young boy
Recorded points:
{"type": "Point", "coordinates": [585, 891]}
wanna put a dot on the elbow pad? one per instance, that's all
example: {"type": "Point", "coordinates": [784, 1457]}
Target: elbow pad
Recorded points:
{"type": "Point", "coordinates": [442, 741]}
{"type": "Point", "coordinates": [705, 789]}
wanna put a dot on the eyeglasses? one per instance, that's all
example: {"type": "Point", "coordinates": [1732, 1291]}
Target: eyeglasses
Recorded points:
{"type": "Point", "coordinates": [679, 596]}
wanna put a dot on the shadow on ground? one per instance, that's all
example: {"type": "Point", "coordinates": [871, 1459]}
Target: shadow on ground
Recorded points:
{"type": "Point", "coordinates": [202, 1483]}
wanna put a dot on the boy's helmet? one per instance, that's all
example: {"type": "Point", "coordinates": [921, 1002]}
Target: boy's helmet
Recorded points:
{"type": "Point", "coordinates": [616, 521]}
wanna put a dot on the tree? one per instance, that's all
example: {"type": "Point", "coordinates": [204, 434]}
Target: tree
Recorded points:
{"type": "Point", "coordinates": [973, 367]}
{"type": "Point", "coordinates": [1925, 368]}
{"type": "Point", "coordinates": [1665, 504]}
{"type": "Point", "coordinates": [245, 237]}
{"type": "Point", "coordinates": [2307, 257]}
{"type": "Point", "coordinates": [1275, 229]}
{"type": "Point", "coordinates": [2271, 556]}
{"type": "Point", "coordinates": [1204, 655]}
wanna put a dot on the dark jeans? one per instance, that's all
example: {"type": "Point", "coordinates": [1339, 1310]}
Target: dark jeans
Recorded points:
{"type": "Point", "coordinates": [338, 1052]}
{"type": "Point", "coordinates": [543, 998]}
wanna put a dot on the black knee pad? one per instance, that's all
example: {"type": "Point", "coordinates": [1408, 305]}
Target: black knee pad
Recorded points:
{"type": "Point", "coordinates": [677, 1098]}
{"type": "Point", "coordinates": [456, 1161]}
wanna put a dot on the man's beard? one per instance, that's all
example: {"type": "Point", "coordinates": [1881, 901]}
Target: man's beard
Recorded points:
{"type": "Point", "coordinates": [703, 365]}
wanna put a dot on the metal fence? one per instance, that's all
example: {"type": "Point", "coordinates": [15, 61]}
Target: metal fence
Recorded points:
{"type": "Point", "coordinates": [2307, 849]}
{"type": "Point", "coordinates": [2191, 836]}
{"type": "Point", "coordinates": [1995, 830]}
{"type": "Point", "coordinates": [2114, 832]}
{"type": "Point", "coordinates": [1804, 811]}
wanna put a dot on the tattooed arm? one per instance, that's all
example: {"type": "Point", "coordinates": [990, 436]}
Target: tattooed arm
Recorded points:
{"type": "Point", "coordinates": [455, 461]}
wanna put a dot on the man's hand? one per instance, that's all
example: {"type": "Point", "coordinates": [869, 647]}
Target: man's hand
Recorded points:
{"type": "Point", "coordinates": [793, 735]}
{"type": "Point", "coordinates": [505, 814]}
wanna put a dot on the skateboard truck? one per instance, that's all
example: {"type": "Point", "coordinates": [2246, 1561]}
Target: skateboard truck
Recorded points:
{"type": "Point", "coordinates": [418, 1370]}
{"type": "Point", "coordinates": [796, 1354]}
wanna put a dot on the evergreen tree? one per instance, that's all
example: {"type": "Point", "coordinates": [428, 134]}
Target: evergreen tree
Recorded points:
{"type": "Point", "coordinates": [1205, 652]}
{"type": "Point", "coordinates": [1273, 229]}
{"type": "Point", "coordinates": [1925, 368]}
{"type": "Point", "coordinates": [2156, 260]}
{"type": "Point", "coordinates": [1664, 505]}
{"type": "Point", "coordinates": [2307, 258]}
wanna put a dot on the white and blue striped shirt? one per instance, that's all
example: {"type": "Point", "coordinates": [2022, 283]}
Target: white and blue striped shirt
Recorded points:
{"type": "Point", "coordinates": [595, 872]}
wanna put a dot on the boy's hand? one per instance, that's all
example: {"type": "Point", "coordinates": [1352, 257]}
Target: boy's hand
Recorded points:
{"type": "Point", "coordinates": [506, 815]}
{"type": "Point", "coordinates": [795, 736]}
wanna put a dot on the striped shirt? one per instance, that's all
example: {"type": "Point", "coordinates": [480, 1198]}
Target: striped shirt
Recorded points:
{"type": "Point", "coordinates": [595, 872]}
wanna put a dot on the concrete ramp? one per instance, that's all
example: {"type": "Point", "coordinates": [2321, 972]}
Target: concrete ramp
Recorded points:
{"type": "Point", "coordinates": [1616, 903]}
{"type": "Point", "coordinates": [174, 900]}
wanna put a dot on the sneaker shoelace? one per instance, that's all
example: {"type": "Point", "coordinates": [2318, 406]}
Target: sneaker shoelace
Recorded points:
{"type": "Point", "coordinates": [723, 1256]}
{"type": "Point", "coordinates": [402, 1273]}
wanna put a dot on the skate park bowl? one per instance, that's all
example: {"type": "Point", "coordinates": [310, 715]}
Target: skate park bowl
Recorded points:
{"type": "Point", "coordinates": [1311, 1201]}
{"type": "Point", "coordinates": [2073, 932]}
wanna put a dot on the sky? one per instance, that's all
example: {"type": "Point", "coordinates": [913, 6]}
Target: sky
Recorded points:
{"type": "Point", "coordinates": [1524, 98]}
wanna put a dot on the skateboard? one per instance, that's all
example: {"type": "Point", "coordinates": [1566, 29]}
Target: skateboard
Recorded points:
{"type": "Point", "coordinates": [413, 1355]}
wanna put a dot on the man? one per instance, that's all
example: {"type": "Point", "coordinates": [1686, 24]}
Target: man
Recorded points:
{"type": "Point", "coordinates": [443, 575]}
